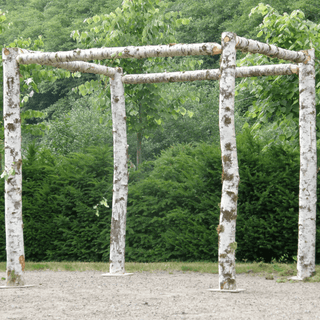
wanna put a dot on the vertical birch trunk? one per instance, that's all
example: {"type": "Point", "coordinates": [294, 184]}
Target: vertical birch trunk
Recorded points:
{"type": "Point", "coordinates": [230, 174]}
{"type": "Point", "coordinates": [13, 160]}
{"type": "Point", "coordinates": [308, 170]}
{"type": "Point", "coordinates": [120, 176]}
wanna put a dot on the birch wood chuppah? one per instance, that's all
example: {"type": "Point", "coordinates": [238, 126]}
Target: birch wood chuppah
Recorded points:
{"type": "Point", "coordinates": [75, 61]}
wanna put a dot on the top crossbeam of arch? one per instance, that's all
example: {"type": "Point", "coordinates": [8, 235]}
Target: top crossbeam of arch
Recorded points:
{"type": "Point", "coordinates": [171, 50]}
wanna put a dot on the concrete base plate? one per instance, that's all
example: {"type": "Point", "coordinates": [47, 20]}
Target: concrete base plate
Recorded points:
{"type": "Point", "coordinates": [15, 287]}
{"type": "Point", "coordinates": [295, 278]}
{"type": "Point", "coordinates": [231, 291]}
{"type": "Point", "coordinates": [117, 274]}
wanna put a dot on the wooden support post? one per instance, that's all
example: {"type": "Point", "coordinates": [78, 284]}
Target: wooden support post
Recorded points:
{"type": "Point", "coordinates": [13, 169]}
{"type": "Point", "coordinates": [120, 177]}
{"type": "Point", "coordinates": [230, 171]}
{"type": "Point", "coordinates": [308, 169]}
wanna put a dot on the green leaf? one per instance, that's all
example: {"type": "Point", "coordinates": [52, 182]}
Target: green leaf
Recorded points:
{"type": "Point", "coordinates": [282, 137]}
{"type": "Point", "coordinates": [246, 125]}
{"type": "Point", "coordinates": [185, 21]}
{"type": "Point", "coordinates": [190, 114]}
{"type": "Point", "coordinates": [96, 19]}
{"type": "Point", "coordinates": [260, 34]}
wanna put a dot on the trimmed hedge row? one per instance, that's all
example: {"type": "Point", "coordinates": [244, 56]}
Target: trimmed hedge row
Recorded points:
{"type": "Point", "coordinates": [173, 206]}
{"type": "Point", "coordinates": [58, 199]}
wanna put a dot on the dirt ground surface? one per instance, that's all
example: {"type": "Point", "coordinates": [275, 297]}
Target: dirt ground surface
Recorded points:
{"type": "Point", "coordinates": [157, 295]}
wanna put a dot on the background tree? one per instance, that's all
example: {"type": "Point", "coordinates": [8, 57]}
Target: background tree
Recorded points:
{"type": "Point", "coordinates": [139, 22]}
{"type": "Point", "coordinates": [273, 106]}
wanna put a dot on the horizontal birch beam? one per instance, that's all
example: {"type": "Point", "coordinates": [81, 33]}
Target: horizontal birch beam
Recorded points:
{"type": "Point", "coordinates": [213, 74]}
{"type": "Point", "coordinates": [85, 67]}
{"type": "Point", "coordinates": [171, 50]}
{"type": "Point", "coordinates": [181, 76]}
{"type": "Point", "coordinates": [269, 70]}
{"type": "Point", "coordinates": [253, 46]}
{"type": "Point", "coordinates": [75, 66]}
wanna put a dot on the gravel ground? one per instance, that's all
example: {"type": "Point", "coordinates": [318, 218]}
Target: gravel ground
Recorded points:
{"type": "Point", "coordinates": [157, 295]}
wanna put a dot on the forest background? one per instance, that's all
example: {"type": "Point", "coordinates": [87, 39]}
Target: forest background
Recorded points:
{"type": "Point", "coordinates": [173, 134]}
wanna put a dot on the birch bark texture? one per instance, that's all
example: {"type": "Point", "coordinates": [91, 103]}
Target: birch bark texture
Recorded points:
{"type": "Point", "coordinates": [73, 66]}
{"type": "Point", "coordinates": [120, 175]}
{"type": "Point", "coordinates": [138, 52]}
{"type": "Point", "coordinates": [210, 74]}
{"type": "Point", "coordinates": [230, 171]}
{"type": "Point", "coordinates": [85, 67]}
{"type": "Point", "coordinates": [253, 46]}
{"type": "Point", "coordinates": [308, 169]}
{"type": "Point", "coordinates": [13, 160]}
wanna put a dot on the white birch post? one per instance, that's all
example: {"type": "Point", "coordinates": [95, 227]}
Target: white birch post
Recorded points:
{"type": "Point", "coordinates": [13, 169]}
{"type": "Point", "coordinates": [230, 174]}
{"type": "Point", "coordinates": [120, 177]}
{"type": "Point", "coordinates": [308, 170]}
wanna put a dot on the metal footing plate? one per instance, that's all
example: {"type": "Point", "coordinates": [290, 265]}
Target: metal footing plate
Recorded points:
{"type": "Point", "coordinates": [15, 287]}
{"type": "Point", "coordinates": [296, 278]}
{"type": "Point", "coordinates": [230, 291]}
{"type": "Point", "coordinates": [117, 274]}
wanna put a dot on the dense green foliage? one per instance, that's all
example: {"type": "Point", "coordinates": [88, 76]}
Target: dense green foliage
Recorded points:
{"type": "Point", "coordinates": [173, 208]}
{"type": "Point", "coordinates": [274, 101]}
{"type": "Point", "coordinates": [58, 197]}
{"type": "Point", "coordinates": [178, 203]}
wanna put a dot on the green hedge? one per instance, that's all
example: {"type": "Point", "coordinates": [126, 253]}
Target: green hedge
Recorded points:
{"type": "Point", "coordinates": [173, 208]}
{"type": "Point", "coordinates": [268, 205]}
{"type": "Point", "coordinates": [173, 205]}
{"type": "Point", "coordinates": [58, 199]}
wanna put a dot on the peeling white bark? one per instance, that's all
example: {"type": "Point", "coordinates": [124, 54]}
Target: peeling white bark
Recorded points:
{"type": "Point", "coordinates": [211, 74]}
{"type": "Point", "coordinates": [172, 76]}
{"type": "Point", "coordinates": [13, 160]}
{"type": "Point", "coordinates": [308, 170]}
{"type": "Point", "coordinates": [85, 67]}
{"type": "Point", "coordinates": [120, 176]}
{"type": "Point", "coordinates": [171, 50]}
{"type": "Point", "coordinates": [230, 174]}
{"type": "Point", "coordinates": [75, 66]}
{"type": "Point", "coordinates": [253, 46]}
{"type": "Point", "coordinates": [268, 70]}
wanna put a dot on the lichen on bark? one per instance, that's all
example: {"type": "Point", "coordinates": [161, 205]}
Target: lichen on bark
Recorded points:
{"type": "Point", "coordinates": [13, 163]}
{"type": "Point", "coordinates": [308, 169]}
{"type": "Point", "coordinates": [120, 176]}
{"type": "Point", "coordinates": [230, 171]}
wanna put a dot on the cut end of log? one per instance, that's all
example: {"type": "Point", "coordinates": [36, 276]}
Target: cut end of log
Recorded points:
{"type": "Point", "coordinates": [308, 57]}
{"type": "Point", "coordinates": [216, 50]}
{"type": "Point", "coordinates": [295, 69]}
{"type": "Point", "coordinates": [6, 51]}
{"type": "Point", "coordinates": [226, 39]}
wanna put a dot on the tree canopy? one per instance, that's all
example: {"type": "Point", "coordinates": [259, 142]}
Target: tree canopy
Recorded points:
{"type": "Point", "coordinates": [268, 104]}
